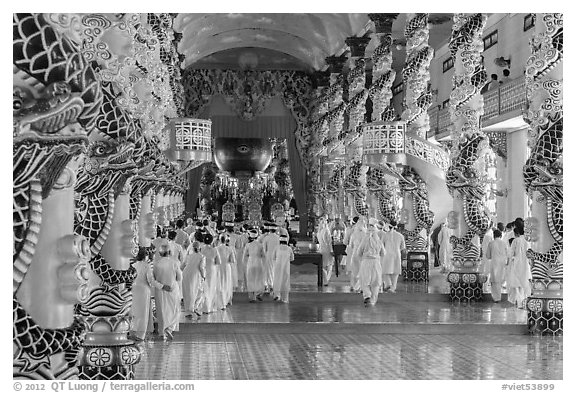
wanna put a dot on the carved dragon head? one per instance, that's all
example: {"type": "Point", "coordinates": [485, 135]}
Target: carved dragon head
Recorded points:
{"type": "Point", "coordinates": [462, 175]}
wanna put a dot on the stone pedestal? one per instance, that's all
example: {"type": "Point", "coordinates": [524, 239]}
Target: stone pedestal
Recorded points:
{"type": "Point", "coordinates": [466, 286]}
{"type": "Point", "coordinates": [546, 308]}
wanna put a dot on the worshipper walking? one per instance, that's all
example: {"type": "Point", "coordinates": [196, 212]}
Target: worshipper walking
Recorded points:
{"type": "Point", "coordinates": [518, 274]}
{"type": "Point", "coordinates": [281, 258]}
{"type": "Point", "coordinates": [142, 287]}
{"type": "Point", "coordinates": [392, 262]}
{"type": "Point", "coordinates": [167, 272]}
{"type": "Point", "coordinates": [254, 256]}
{"type": "Point", "coordinates": [233, 240]}
{"type": "Point", "coordinates": [444, 248]}
{"type": "Point", "coordinates": [324, 237]}
{"type": "Point", "coordinates": [269, 243]}
{"type": "Point", "coordinates": [212, 274]}
{"type": "Point", "coordinates": [227, 259]}
{"type": "Point", "coordinates": [496, 256]}
{"type": "Point", "coordinates": [193, 277]}
{"type": "Point", "coordinates": [182, 237]}
{"type": "Point", "coordinates": [353, 263]}
{"type": "Point", "coordinates": [369, 252]}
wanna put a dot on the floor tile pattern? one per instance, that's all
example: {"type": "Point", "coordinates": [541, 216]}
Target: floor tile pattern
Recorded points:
{"type": "Point", "coordinates": [366, 356]}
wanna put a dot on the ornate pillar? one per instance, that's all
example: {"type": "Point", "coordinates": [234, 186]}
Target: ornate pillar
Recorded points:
{"type": "Point", "coordinates": [381, 186]}
{"type": "Point", "coordinates": [465, 183]}
{"type": "Point", "coordinates": [53, 111]}
{"type": "Point", "coordinates": [416, 77]}
{"type": "Point", "coordinates": [319, 129]}
{"type": "Point", "coordinates": [543, 176]}
{"type": "Point", "coordinates": [355, 183]}
{"type": "Point", "coordinates": [335, 118]}
{"type": "Point", "coordinates": [102, 202]}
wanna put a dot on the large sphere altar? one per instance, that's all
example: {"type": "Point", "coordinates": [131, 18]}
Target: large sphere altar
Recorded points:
{"type": "Point", "coordinates": [242, 154]}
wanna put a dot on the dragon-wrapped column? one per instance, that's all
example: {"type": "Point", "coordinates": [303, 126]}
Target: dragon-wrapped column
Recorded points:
{"type": "Point", "coordinates": [355, 184]}
{"type": "Point", "coordinates": [543, 176]}
{"type": "Point", "coordinates": [418, 218]}
{"type": "Point", "coordinates": [54, 110]}
{"type": "Point", "coordinates": [464, 179]}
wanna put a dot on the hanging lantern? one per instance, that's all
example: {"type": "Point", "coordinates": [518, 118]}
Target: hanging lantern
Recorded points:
{"type": "Point", "coordinates": [384, 142]}
{"type": "Point", "coordinates": [190, 141]}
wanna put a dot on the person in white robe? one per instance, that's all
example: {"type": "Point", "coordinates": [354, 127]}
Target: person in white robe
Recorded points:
{"type": "Point", "coordinates": [233, 238]}
{"type": "Point", "coordinates": [370, 251]}
{"type": "Point", "coordinates": [269, 243]}
{"type": "Point", "coordinates": [496, 256]}
{"type": "Point", "coordinates": [353, 262]}
{"type": "Point", "coordinates": [176, 251]}
{"type": "Point", "coordinates": [239, 245]}
{"type": "Point", "coordinates": [281, 258]}
{"type": "Point", "coordinates": [193, 277]}
{"type": "Point", "coordinates": [167, 272]}
{"type": "Point", "coordinates": [347, 233]}
{"type": "Point", "coordinates": [253, 255]}
{"type": "Point", "coordinates": [485, 263]}
{"type": "Point", "coordinates": [212, 274]}
{"type": "Point", "coordinates": [324, 236]}
{"type": "Point", "coordinates": [392, 262]}
{"type": "Point", "coordinates": [142, 288]}
{"type": "Point", "coordinates": [518, 274]}
{"type": "Point", "coordinates": [227, 258]}
{"type": "Point", "coordinates": [445, 248]}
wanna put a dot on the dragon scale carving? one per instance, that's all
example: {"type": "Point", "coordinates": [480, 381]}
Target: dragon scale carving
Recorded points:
{"type": "Point", "coordinates": [543, 171]}
{"type": "Point", "coordinates": [55, 100]}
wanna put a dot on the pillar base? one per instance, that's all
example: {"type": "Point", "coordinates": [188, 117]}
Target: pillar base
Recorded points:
{"type": "Point", "coordinates": [546, 308]}
{"type": "Point", "coordinates": [466, 286]}
{"type": "Point", "coordinates": [417, 268]}
{"type": "Point", "coordinates": [109, 363]}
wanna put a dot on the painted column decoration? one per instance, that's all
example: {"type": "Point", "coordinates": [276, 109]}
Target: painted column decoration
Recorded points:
{"type": "Point", "coordinates": [543, 175]}
{"type": "Point", "coordinates": [464, 179]}
{"type": "Point", "coordinates": [418, 218]}
{"type": "Point", "coordinates": [319, 130]}
{"type": "Point", "coordinates": [334, 159]}
{"type": "Point", "coordinates": [355, 183]}
{"type": "Point", "coordinates": [381, 186]}
{"type": "Point", "coordinates": [56, 98]}
{"type": "Point", "coordinates": [416, 75]}
{"type": "Point", "coordinates": [102, 204]}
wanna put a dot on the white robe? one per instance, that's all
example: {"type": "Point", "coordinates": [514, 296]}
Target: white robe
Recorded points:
{"type": "Point", "coordinates": [167, 272]}
{"type": "Point", "coordinates": [371, 251]}
{"type": "Point", "coordinates": [192, 282]}
{"type": "Point", "coordinates": [254, 257]}
{"type": "Point", "coordinates": [234, 243]}
{"type": "Point", "coordinates": [445, 250]}
{"type": "Point", "coordinates": [142, 289]}
{"type": "Point", "coordinates": [353, 261]}
{"type": "Point", "coordinates": [224, 295]}
{"type": "Point", "coordinates": [212, 278]}
{"type": "Point", "coordinates": [392, 261]}
{"type": "Point", "coordinates": [325, 246]}
{"type": "Point", "coordinates": [496, 255]}
{"type": "Point", "coordinates": [269, 243]}
{"type": "Point", "coordinates": [518, 271]}
{"type": "Point", "coordinates": [282, 257]}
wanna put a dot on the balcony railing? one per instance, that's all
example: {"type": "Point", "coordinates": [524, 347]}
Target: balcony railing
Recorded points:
{"type": "Point", "coordinates": [508, 97]}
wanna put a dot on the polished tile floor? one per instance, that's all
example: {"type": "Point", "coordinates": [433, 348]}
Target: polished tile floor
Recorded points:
{"type": "Point", "coordinates": [436, 340]}
{"type": "Point", "coordinates": [363, 356]}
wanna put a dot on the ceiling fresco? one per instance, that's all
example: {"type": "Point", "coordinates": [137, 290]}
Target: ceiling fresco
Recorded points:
{"type": "Point", "coordinates": [283, 41]}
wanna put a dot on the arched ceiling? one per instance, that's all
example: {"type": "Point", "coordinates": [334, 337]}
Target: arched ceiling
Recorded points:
{"type": "Point", "coordinates": [283, 41]}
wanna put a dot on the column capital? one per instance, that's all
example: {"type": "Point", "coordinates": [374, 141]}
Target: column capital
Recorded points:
{"type": "Point", "coordinates": [383, 22]}
{"type": "Point", "coordinates": [321, 78]}
{"type": "Point", "coordinates": [336, 63]}
{"type": "Point", "coordinates": [357, 45]}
